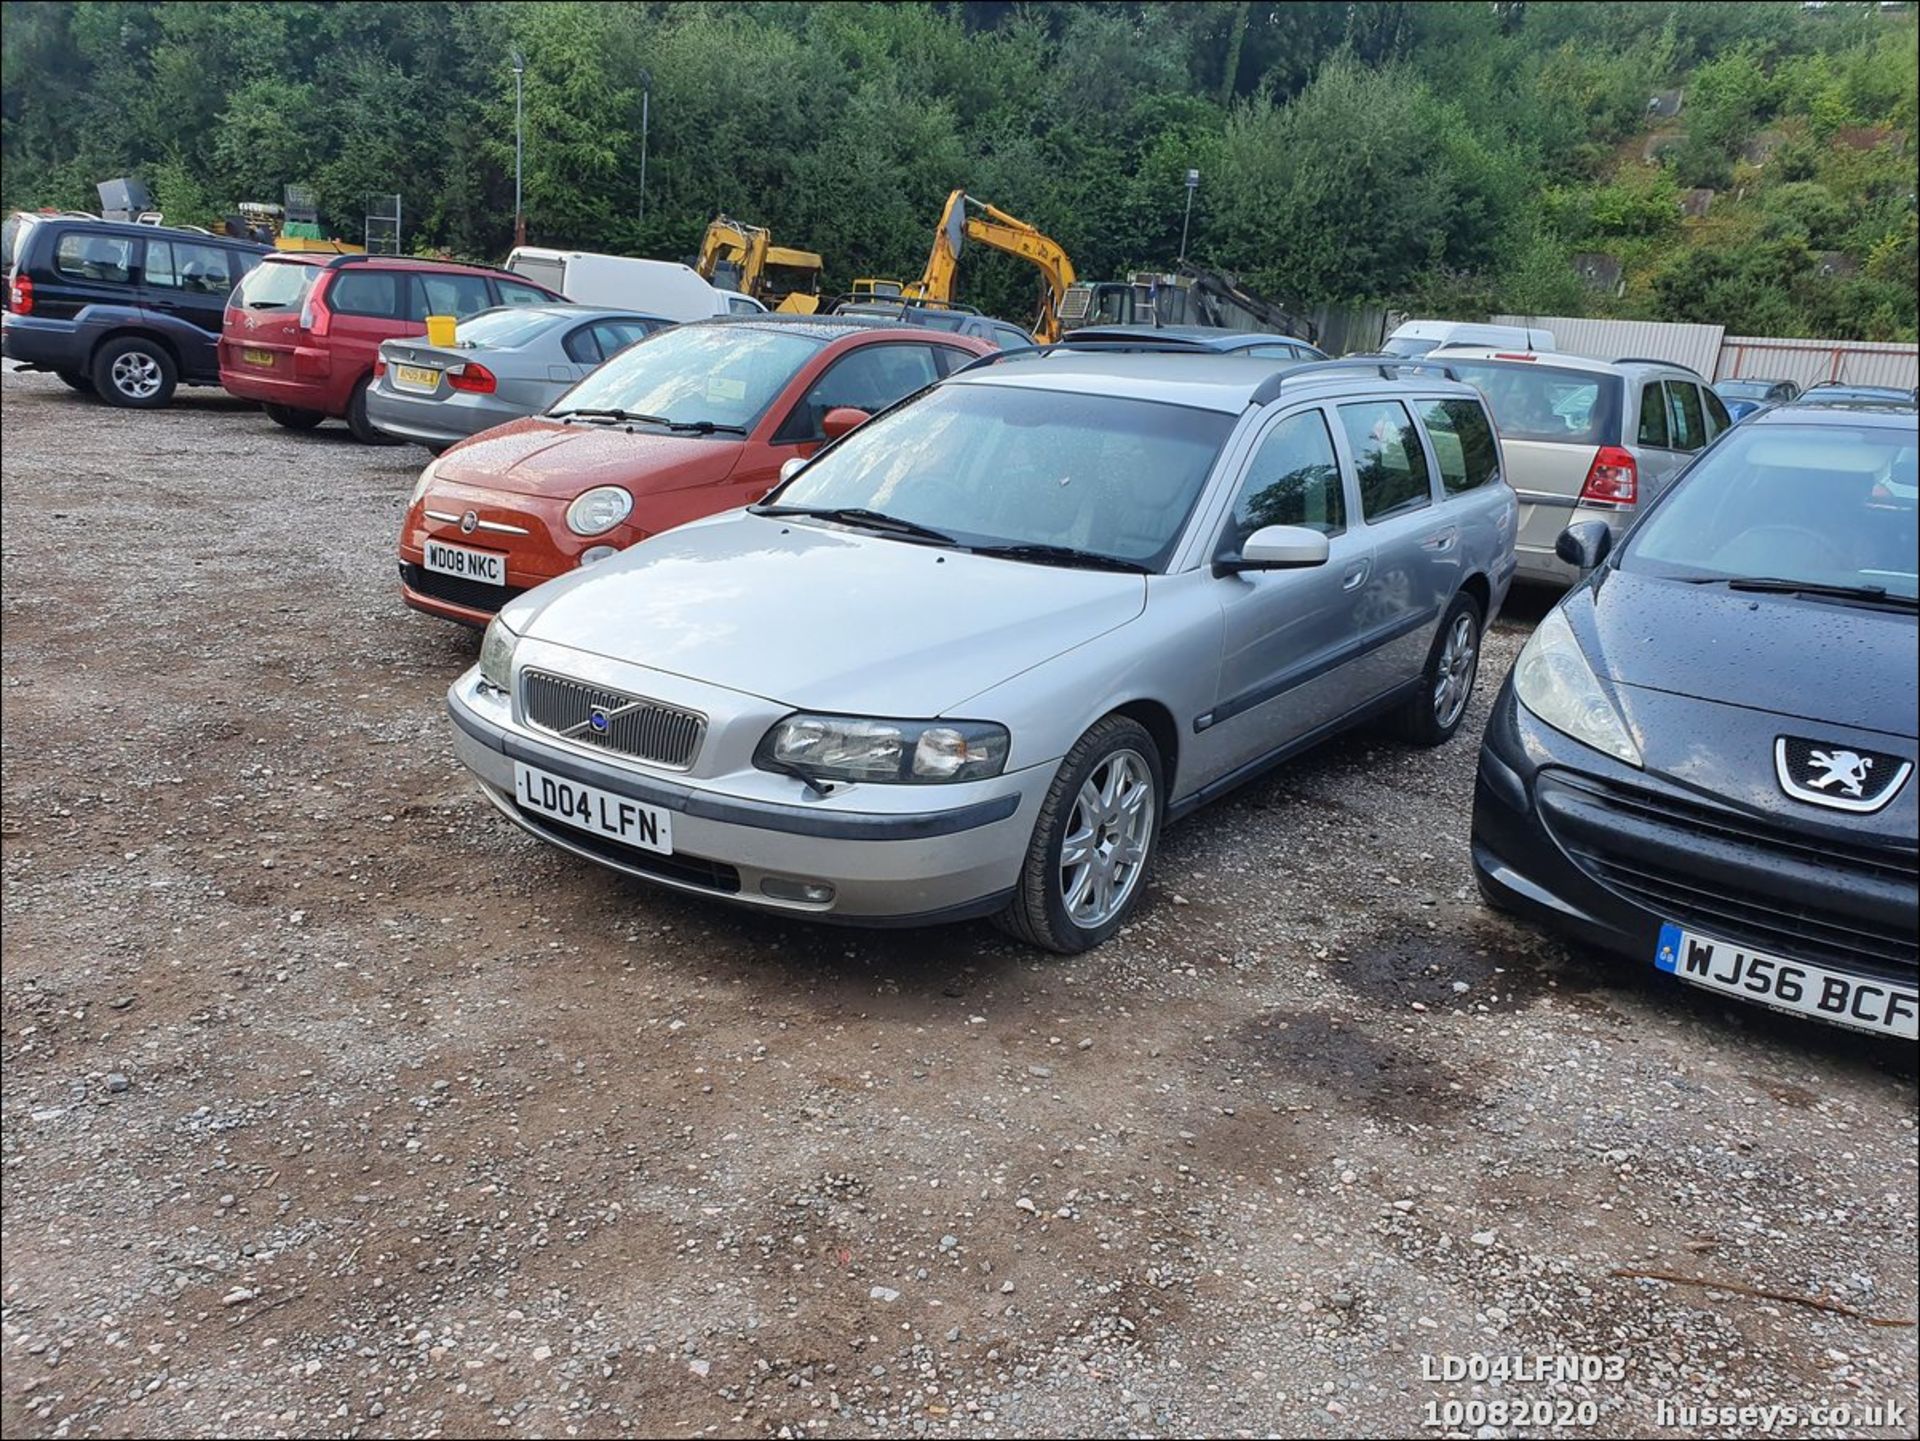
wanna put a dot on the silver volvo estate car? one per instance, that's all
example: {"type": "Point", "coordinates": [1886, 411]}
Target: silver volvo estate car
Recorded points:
{"type": "Point", "coordinates": [973, 657]}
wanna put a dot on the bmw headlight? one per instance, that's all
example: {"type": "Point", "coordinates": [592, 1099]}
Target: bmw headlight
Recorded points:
{"type": "Point", "coordinates": [496, 655]}
{"type": "Point", "coordinates": [1555, 682]}
{"type": "Point", "coordinates": [425, 482]}
{"type": "Point", "coordinates": [854, 748]}
{"type": "Point", "coordinates": [600, 509]}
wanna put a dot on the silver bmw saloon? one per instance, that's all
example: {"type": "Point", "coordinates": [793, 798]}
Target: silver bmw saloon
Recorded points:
{"type": "Point", "coordinates": [972, 658]}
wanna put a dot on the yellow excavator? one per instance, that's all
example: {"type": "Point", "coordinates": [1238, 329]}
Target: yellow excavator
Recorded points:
{"type": "Point", "coordinates": [964, 219]}
{"type": "Point", "coordinates": [740, 257]}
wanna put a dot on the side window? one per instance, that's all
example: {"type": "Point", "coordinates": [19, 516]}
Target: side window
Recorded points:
{"type": "Point", "coordinates": [616, 335]}
{"type": "Point", "coordinates": [1653, 416]}
{"type": "Point", "coordinates": [947, 359]}
{"type": "Point", "coordinates": [870, 379]}
{"type": "Point", "coordinates": [1293, 479]}
{"type": "Point", "coordinates": [450, 294]}
{"type": "Point", "coordinates": [1008, 338]}
{"type": "Point", "coordinates": [1387, 458]}
{"type": "Point", "coordinates": [583, 347]}
{"type": "Point", "coordinates": [240, 264]}
{"type": "Point", "coordinates": [366, 292]}
{"type": "Point", "coordinates": [1717, 417]}
{"type": "Point", "coordinates": [183, 265]}
{"type": "Point", "coordinates": [512, 292]}
{"type": "Point", "coordinates": [1689, 423]}
{"type": "Point", "coordinates": [1462, 444]}
{"type": "Point", "coordinates": [80, 256]}
{"type": "Point", "coordinates": [1274, 352]}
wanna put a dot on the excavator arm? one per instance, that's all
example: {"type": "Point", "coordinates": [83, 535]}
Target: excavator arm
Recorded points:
{"type": "Point", "coordinates": [966, 219]}
{"type": "Point", "coordinates": [732, 255]}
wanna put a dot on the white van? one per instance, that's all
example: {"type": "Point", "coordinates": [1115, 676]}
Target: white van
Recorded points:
{"type": "Point", "coordinates": [1417, 337]}
{"type": "Point", "coordinates": [652, 287]}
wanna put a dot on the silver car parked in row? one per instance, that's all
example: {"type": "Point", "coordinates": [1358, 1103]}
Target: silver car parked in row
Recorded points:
{"type": "Point", "coordinates": [1586, 439]}
{"type": "Point", "coordinates": [503, 364]}
{"type": "Point", "coordinates": [971, 658]}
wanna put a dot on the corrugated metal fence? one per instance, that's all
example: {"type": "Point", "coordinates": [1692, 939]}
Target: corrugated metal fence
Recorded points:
{"type": "Point", "coordinates": [1719, 356]}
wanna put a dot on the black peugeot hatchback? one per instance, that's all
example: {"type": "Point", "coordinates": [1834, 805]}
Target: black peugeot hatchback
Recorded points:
{"type": "Point", "coordinates": [1703, 757]}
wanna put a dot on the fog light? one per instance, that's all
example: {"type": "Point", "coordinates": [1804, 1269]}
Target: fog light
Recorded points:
{"type": "Point", "coordinates": [595, 554]}
{"type": "Point", "coordinates": [814, 893]}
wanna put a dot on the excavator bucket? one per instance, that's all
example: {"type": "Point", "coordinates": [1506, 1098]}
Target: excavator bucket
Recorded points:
{"type": "Point", "coordinates": [956, 227]}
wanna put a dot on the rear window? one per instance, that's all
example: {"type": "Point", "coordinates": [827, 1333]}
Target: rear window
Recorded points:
{"type": "Point", "coordinates": [11, 234]}
{"type": "Point", "coordinates": [1543, 402]}
{"type": "Point", "coordinates": [503, 328]}
{"type": "Point", "coordinates": [275, 286]}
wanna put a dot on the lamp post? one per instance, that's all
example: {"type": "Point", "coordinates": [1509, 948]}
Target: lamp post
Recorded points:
{"type": "Point", "coordinates": [519, 217]}
{"type": "Point", "coordinates": [1193, 184]}
{"type": "Point", "coordinates": [646, 100]}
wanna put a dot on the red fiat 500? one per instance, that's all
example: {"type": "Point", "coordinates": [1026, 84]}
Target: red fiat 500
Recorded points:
{"type": "Point", "coordinates": [686, 423]}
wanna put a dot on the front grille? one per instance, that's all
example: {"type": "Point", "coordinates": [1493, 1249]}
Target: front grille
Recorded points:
{"type": "Point", "coordinates": [632, 725]}
{"type": "Point", "coordinates": [456, 590]}
{"type": "Point", "coordinates": [1742, 878]}
{"type": "Point", "coordinates": [708, 875]}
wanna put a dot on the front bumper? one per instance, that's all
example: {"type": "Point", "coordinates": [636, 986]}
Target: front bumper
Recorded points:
{"type": "Point", "coordinates": [894, 855]}
{"type": "Point", "coordinates": [1608, 854]}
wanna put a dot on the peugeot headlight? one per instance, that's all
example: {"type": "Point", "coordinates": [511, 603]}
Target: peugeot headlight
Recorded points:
{"type": "Point", "coordinates": [425, 482]}
{"type": "Point", "coordinates": [852, 748]}
{"type": "Point", "coordinates": [1555, 682]}
{"type": "Point", "coordinates": [496, 655]}
{"type": "Point", "coordinates": [600, 509]}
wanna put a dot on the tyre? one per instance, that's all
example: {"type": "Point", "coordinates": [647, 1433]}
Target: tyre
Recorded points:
{"type": "Point", "coordinates": [294, 418]}
{"type": "Point", "coordinates": [135, 372]}
{"type": "Point", "coordinates": [357, 421]}
{"type": "Point", "coordinates": [1446, 684]}
{"type": "Point", "coordinates": [76, 380]}
{"type": "Point", "coordinates": [1092, 843]}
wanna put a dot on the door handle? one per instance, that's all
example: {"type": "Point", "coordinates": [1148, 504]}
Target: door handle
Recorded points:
{"type": "Point", "coordinates": [1356, 575]}
{"type": "Point", "coordinates": [1441, 540]}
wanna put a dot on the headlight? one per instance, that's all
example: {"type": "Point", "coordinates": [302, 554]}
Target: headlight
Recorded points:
{"type": "Point", "coordinates": [426, 480]}
{"type": "Point", "coordinates": [496, 655]}
{"type": "Point", "coordinates": [850, 748]}
{"type": "Point", "coordinates": [600, 509]}
{"type": "Point", "coordinates": [1555, 682]}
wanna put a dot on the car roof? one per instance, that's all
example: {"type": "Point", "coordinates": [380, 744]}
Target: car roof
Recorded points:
{"type": "Point", "coordinates": [1210, 337]}
{"type": "Point", "coordinates": [132, 227]}
{"type": "Point", "coordinates": [1821, 410]}
{"type": "Point", "coordinates": [1201, 380]}
{"type": "Point", "coordinates": [1892, 392]}
{"type": "Point", "coordinates": [822, 327]}
{"type": "Point", "coordinates": [578, 309]}
{"type": "Point", "coordinates": [355, 260]}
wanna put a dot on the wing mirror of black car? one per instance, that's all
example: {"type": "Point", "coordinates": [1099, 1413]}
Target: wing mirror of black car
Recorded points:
{"type": "Point", "coordinates": [1276, 547]}
{"type": "Point", "coordinates": [1584, 544]}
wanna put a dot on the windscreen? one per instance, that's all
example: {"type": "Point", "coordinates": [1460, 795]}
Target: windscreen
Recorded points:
{"type": "Point", "coordinates": [1744, 389]}
{"type": "Point", "coordinates": [1821, 504]}
{"type": "Point", "coordinates": [1543, 402]}
{"type": "Point", "coordinates": [275, 287]}
{"type": "Point", "coordinates": [726, 374]}
{"type": "Point", "coordinates": [1005, 465]}
{"type": "Point", "coordinates": [504, 328]}
{"type": "Point", "coordinates": [1408, 347]}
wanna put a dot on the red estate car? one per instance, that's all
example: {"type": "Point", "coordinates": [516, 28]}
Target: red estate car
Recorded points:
{"type": "Point", "coordinates": [686, 423]}
{"type": "Point", "coordinates": [301, 332]}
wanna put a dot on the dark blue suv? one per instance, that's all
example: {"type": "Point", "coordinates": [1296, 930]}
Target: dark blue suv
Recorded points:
{"type": "Point", "coordinates": [125, 311]}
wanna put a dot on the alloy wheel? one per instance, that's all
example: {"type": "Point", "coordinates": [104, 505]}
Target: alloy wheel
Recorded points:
{"type": "Point", "coordinates": [136, 375]}
{"type": "Point", "coordinates": [1107, 839]}
{"type": "Point", "coordinates": [1453, 684]}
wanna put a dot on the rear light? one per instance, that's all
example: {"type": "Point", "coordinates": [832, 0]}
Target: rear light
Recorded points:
{"type": "Point", "coordinates": [315, 318]}
{"type": "Point", "coordinates": [472, 376]}
{"type": "Point", "coordinates": [1613, 478]}
{"type": "Point", "coordinates": [20, 295]}
{"type": "Point", "coordinates": [379, 367]}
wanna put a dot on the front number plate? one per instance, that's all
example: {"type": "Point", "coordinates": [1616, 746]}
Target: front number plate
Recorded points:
{"type": "Point", "coordinates": [1861, 1003]}
{"type": "Point", "coordinates": [589, 808]}
{"type": "Point", "coordinates": [481, 565]}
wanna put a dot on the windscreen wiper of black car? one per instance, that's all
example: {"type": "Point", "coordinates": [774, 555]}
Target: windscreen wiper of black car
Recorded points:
{"type": "Point", "coordinates": [1061, 555]}
{"type": "Point", "coordinates": [1774, 585]}
{"type": "Point", "coordinates": [857, 515]}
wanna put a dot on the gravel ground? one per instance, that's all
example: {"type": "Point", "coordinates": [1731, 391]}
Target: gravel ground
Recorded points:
{"type": "Point", "coordinates": [335, 1106]}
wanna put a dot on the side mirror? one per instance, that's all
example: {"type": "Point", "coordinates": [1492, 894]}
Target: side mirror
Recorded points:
{"type": "Point", "coordinates": [841, 419]}
{"type": "Point", "coordinates": [1277, 547]}
{"type": "Point", "coordinates": [792, 467]}
{"type": "Point", "coordinates": [1584, 544]}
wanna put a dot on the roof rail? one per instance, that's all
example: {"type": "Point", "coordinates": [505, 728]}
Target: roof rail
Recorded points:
{"type": "Point", "coordinates": [1090, 344]}
{"type": "Point", "coordinates": [1271, 387]}
{"type": "Point", "coordinates": [1655, 360]}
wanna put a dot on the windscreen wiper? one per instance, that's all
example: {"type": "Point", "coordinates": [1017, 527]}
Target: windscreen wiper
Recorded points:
{"type": "Point", "coordinates": [703, 427]}
{"type": "Point", "coordinates": [1775, 585]}
{"type": "Point", "coordinates": [860, 516]}
{"type": "Point", "coordinates": [1061, 555]}
{"type": "Point", "coordinates": [609, 413]}
{"type": "Point", "coordinates": [799, 772]}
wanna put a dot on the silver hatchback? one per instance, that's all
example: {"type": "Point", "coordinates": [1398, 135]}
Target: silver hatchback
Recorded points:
{"type": "Point", "coordinates": [971, 658]}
